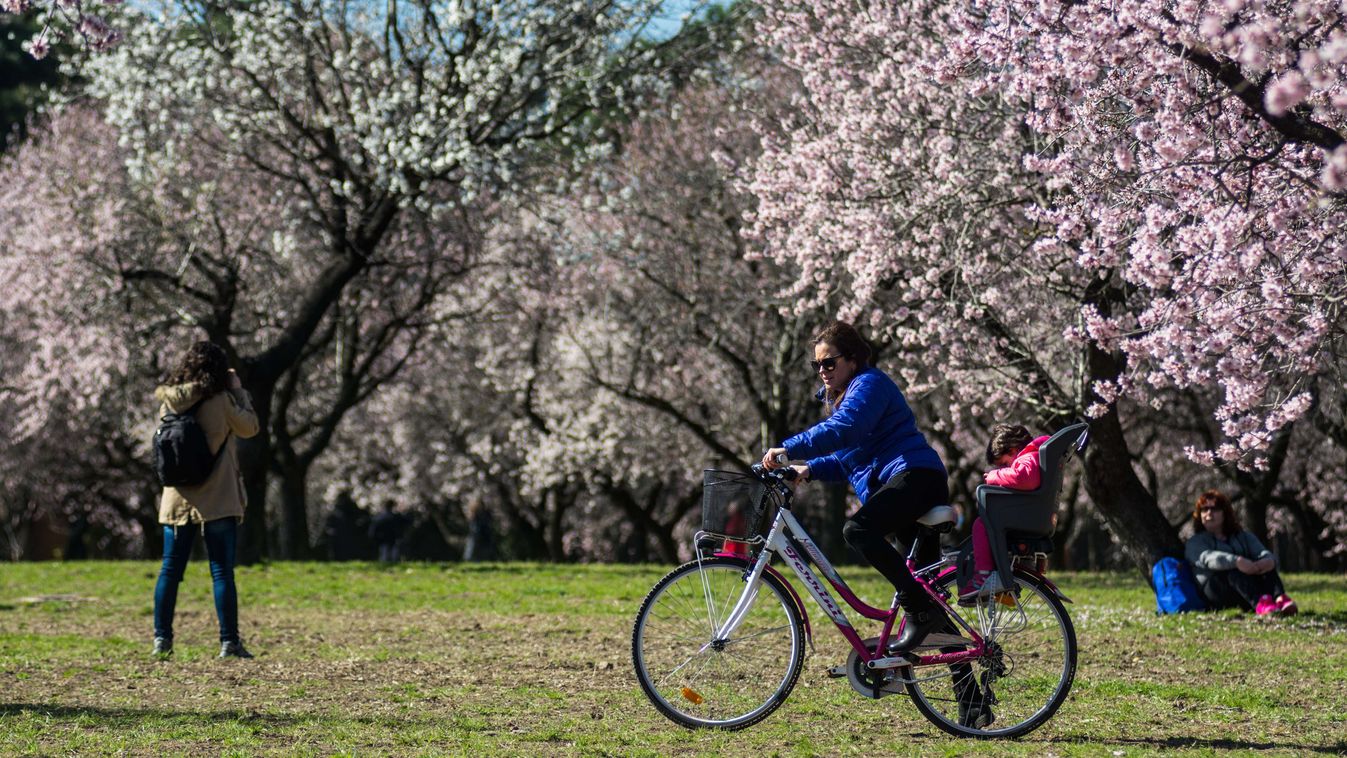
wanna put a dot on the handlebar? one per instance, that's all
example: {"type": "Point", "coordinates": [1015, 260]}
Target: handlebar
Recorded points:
{"type": "Point", "coordinates": [787, 474]}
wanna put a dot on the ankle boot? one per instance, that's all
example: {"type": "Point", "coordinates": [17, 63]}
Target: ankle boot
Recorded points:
{"type": "Point", "coordinates": [920, 621]}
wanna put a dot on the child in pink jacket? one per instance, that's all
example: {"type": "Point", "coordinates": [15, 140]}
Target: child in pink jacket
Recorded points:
{"type": "Point", "coordinates": [1015, 452]}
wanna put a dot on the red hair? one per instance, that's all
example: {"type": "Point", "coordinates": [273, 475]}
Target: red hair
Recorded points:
{"type": "Point", "coordinates": [1230, 524]}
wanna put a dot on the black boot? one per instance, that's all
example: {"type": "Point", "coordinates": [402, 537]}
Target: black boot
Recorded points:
{"type": "Point", "coordinates": [976, 714]}
{"type": "Point", "coordinates": [921, 620]}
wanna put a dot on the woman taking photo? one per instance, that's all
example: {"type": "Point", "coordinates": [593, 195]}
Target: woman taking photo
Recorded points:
{"type": "Point", "coordinates": [204, 387]}
{"type": "Point", "coordinates": [870, 438]}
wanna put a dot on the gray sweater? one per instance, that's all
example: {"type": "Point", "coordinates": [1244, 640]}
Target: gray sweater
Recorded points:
{"type": "Point", "coordinates": [1209, 555]}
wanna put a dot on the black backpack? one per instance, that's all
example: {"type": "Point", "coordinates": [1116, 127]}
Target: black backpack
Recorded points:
{"type": "Point", "coordinates": [182, 456]}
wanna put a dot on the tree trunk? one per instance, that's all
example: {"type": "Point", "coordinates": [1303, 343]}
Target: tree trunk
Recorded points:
{"type": "Point", "coordinates": [557, 502]}
{"type": "Point", "coordinates": [260, 375]}
{"type": "Point", "coordinates": [294, 512]}
{"type": "Point", "coordinates": [254, 463]}
{"type": "Point", "coordinates": [635, 547]}
{"type": "Point", "coordinates": [521, 538]}
{"type": "Point", "coordinates": [1124, 503]}
{"type": "Point", "coordinates": [1318, 535]}
{"type": "Point", "coordinates": [1068, 524]}
{"type": "Point", "coordinates": [147, 516]}
{"type": "Point", "coordinates": [643, 521]}
{"type": "Point", "coordinates": [1122, 500]}
{"type": "Point", "coordinates": [1255, 518]}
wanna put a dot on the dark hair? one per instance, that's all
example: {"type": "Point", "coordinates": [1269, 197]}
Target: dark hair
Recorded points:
{"type": "Point", "coordinates": [849, 344]}
{"type": "Point", "coordinates": [1007, 438]}
{"type": "Point", "coordinates": [1230, 524]}
{"type": "Point", "coordinates": [205, 364]}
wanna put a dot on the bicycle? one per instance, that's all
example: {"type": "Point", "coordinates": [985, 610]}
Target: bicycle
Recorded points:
{"type": "Point", "coordinates": [711, 649]}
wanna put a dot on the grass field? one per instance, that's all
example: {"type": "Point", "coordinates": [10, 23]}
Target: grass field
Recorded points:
{"type": "Point", "coordinates": [535, 660]}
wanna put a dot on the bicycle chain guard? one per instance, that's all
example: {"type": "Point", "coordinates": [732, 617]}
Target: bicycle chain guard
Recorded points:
{"type": "Point", "coordinates": [873, 683]}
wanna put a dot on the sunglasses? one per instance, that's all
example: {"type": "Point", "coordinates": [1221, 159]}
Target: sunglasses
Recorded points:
{"type": "Point", "coordinates": [827, 364]}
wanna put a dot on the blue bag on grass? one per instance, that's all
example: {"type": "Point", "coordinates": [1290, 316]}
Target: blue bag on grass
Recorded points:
{"type": "Point", "coordinates": [1175, 589]}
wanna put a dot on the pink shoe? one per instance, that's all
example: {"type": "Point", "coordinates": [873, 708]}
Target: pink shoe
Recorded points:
{"type": "Point", "coordinates": [1265, 606]}
{"type": "Point", "coordinates": [1286, 606]}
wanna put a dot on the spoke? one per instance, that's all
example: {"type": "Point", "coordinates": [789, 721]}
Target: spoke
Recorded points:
{"type": "Point", "coordinates": [693, 641]}
{"type": "Point", "coordinates": [711, 612]}
{"type": "Point", "coordinates": [1031, 645]}
{"type": "Point", "coordinates": [731, 681]}
{"type": "Point", "coordinates": [679, 667]}
{"type": "Point", "coordinates": [737, 640]}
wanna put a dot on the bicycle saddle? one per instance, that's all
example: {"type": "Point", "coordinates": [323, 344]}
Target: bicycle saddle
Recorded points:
{"type": "Point", "coordinates": [938, 516]}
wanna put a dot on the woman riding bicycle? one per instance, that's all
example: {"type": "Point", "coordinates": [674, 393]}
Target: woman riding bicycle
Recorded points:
{"type": "Point", "coordinates": [870, 438]}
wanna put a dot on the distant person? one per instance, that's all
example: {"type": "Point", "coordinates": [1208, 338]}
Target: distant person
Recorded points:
{"type": "Point", "coordinates": [1232, 567]}
{"type": "Point", "coordinates": [481, 543]}
{"type": "Point", "coordinates": [386, 530]}
{"type": "Point", "coordinates": [205, 387]}
{"type": "Point", "coordinates": [345, 530]}
{"type": "Point", "coordinates": [74, 541]}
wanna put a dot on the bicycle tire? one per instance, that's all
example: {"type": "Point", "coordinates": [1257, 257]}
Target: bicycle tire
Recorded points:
{"type": "Point", "coordinates": [1035, 597]}
{"type": "Point", "coordinates": [692, 698]}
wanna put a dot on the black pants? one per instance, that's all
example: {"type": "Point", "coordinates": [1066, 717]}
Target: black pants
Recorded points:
{"type": "Point", "coordinates": [894, 509]}
{"type": "Point", "coordinates": [1236, 589]}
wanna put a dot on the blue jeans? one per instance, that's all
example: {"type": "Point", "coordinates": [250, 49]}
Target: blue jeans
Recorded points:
{"type": "Point", "coordinates": [221, 541]}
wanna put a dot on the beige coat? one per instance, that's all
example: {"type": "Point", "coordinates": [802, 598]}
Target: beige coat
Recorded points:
{"type": "Point", "coordinates": [222, 495]}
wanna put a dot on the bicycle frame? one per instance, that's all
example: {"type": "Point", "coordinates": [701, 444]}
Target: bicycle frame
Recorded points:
{"type": "Point", "coordinates": [782, 539]}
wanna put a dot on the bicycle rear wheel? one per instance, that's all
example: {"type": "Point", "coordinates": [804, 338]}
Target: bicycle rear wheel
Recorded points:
{"type": "Point", "coordinates": [699, 681]}
{"type": "Point", "coordinates": [1021, 681]}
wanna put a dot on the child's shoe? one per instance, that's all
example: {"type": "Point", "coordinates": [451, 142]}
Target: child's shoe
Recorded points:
{"type": "Point", "coordinates": [1286, 606]}
{"type": "Point", "coordinates": [1266, 605]}
{"type": "Point", "coordinates": [984, 586]}
{"type": "Point", "coordinates": [992, 585]}
{"type": "Point", "coordinates": [968, 594]}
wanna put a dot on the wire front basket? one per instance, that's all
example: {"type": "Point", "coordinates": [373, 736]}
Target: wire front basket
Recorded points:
{"type": "Point", "coordinates": [734, 505]}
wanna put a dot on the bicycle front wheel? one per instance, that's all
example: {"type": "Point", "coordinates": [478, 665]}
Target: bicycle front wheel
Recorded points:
{"type": "Point", "coordinates": [700, 679]}
{"type": "Point", "coordinates": [1021, 681]}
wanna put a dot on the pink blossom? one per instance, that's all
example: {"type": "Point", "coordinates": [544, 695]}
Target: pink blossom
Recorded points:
{"type": "Point", "coordinates": [1334, 50]}
{"type": "Point", "coordinates": [1123, 158]}
{"type": "Point", "coordinates": [38, 47]}
{"type": "Point", "coordinates": [1334, 175]}
{"type": "Point", "coordinates": [1203, 457]}
{"type": "Point", "coordinates": [1286, 92]}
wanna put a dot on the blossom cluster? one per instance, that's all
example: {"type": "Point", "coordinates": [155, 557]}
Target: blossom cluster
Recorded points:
{"type": "Point", "coordinates": [978, 165]}
{"type": "Point", "coordinates": [58, 17]}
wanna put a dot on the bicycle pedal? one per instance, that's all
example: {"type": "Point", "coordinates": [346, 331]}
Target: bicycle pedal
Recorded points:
{"type": "Point", "coordinates": [838, 672]}
{"type": "Point", "coordinates": [892, 661]}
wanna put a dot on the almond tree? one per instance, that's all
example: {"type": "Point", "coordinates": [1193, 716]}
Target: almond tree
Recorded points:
{"type": "Point", "coordinates": [353, 124]}
{"type": "Point", "coordinates": [1201, 153]}
{"type": "Point", "coordinates": [628, 342]}
{"type": "Point", "coordinates": [971, 177]}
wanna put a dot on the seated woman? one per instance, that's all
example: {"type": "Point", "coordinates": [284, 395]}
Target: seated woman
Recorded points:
{"type": "Point", "coordinates": [1233, 568]}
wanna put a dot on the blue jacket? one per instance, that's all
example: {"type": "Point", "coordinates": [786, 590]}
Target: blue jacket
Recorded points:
{"type": "Point", "coordinates": [872, 429]}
